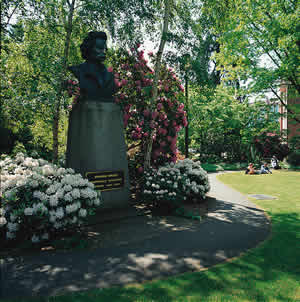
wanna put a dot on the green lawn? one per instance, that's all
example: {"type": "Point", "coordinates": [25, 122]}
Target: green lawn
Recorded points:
{"type": "Point", "coordinates": [270, 272]}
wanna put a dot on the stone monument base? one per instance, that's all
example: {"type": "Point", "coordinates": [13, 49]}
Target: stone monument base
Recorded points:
{"type": "Point", "coordinates": [96, 148]}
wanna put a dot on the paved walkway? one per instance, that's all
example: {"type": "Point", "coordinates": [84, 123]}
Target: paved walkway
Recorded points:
{"type": "Point", "coordinates": [234, 226]}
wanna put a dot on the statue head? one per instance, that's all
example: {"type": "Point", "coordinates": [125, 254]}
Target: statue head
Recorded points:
{"type": "Point", "coordinates": [93, 47]}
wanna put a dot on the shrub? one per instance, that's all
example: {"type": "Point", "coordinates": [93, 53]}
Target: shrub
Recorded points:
{"type": "Point", "coordinates": [269, 144]}
{"type": "Point", "coordinates": [40, 199]}
{"type": "Point", "coordinates": [163, 119]}
{"type": "Point", "coordinates": [18, 148]}
{"type": "Point", "coordinates": [173, 183]}
{"type": "Point", "coordinates": [294, 158]}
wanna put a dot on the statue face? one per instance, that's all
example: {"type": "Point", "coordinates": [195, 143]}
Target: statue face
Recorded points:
{"type": "Point", "coordinates": [98, 52]}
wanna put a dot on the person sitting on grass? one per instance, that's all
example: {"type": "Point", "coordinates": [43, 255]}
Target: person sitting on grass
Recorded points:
{"type": "Point", "coordinates": [250, 169]}
{"type": "Point", "coordinates": [264, 169]}
{"type": "Point", "coordinates": [274, 163]}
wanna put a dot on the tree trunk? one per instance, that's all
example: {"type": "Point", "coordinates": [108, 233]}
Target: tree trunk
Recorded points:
{"type": "Point", "coordinates": [57, 108]}
{"type": "Point", "coordinates": [168, 4]}
{"type": "Point", "coordinates": [186, 139]}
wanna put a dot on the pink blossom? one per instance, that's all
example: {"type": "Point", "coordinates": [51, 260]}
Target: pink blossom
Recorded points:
{"type": "Point", "coordinates": [170, 103]}
{"type": "Point", "coordinates": [174, 159]}
{"type": "Point", "coordinates": [117, 83]}
{"type": "Point", "coordinates": [173, 148]}
{"type": "Point", "coordinates": [166, 123]}
{"type": "Point", "coordinates": [156, 153]}
{"type": "Point", "coordinates": [174, 141]}
{"type": "Point", "coordinates": [162, 116]}
{"type": "Point", "coordinates": [160, 131]}
{"type": "Point", "coordinates": [146, 134]}
{"type": "Point", "coordinates": [152, 124]}
{"type": "Point", "coordinates": [154, 115]}
{"type": "Point", "coordinates": [141, 123]}
{"type": "Point", "coordinates": [124, 82]}
{"type": "Point", "coordinates": [110, 69]}
{"type": "Point", "coordinates": [125, 119]}
{"type": "Point", "coordinates": [163, 143]}
{"type": "Point", "coordinates": [174, 123]}
{"type": "Point", "coordinates": [141, 54]}
{"type": "Point", "coordinates": [146, 112]}
{"type": "Point", "coordinates": [181, 87]}
{"type": "Point", "coordinates": [159, 106]}
{"type": "Point", "coordinates": [135, 135]}
{"type": "Point", "coordinates": [185, 122]}
{"type": "Point", "coordinates": [177, 128]}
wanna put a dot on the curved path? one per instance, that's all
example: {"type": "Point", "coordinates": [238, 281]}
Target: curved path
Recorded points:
{"type": "Point", "coordinates": [234, 226]}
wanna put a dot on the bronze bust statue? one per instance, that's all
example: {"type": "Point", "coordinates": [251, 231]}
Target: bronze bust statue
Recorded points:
{"type": "Point", "coordinates": [96, 140]}
{"type": "Point", "coordinates": [94, 79]}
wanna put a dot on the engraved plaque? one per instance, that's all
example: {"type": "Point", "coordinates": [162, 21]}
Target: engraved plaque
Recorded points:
{"type": "Point", "coordinates": [106, 180]}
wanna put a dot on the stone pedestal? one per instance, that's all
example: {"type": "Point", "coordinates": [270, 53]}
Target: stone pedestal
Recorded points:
{"type": "Point", "coordinates": [96, 148]}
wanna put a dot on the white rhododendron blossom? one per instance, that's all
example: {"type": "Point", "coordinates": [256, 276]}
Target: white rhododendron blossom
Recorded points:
{"type": "Point", "coordinates": [2, 221]}
{"type": "Point", "coordinates": [173, 183]}
{"type": "Point", "coordinates": [40, 199]}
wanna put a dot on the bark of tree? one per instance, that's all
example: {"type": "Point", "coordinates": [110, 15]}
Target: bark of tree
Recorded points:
{"type": "Point", "coordinates": [149, 142]}
{"type": "Point", "coordinates": [57, 109]}
{"type": "Point", "coordinates": [186, 138]}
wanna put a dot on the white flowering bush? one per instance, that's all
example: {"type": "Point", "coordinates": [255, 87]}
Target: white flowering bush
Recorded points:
{"type": "Point", "coordinates": [174, 183]}
{"type": "Point", "coordinates": [39, 199]}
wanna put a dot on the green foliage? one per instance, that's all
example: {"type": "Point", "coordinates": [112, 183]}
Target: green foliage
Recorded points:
{"type": "Point", "coordinates": [259, 40]}
{"type": "Point", "coordinates": [222, 127]}
{"type": "Point", "coordinates": [223, 167]}
{"type": "Point", "coordinates": [18, 147]}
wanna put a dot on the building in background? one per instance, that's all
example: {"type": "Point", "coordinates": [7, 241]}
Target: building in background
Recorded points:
{"type": "Point", "coordinates": [288, 124]}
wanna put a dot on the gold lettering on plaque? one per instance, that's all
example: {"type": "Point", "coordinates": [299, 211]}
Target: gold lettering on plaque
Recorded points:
{"type": "Point", "coordinates": [106, 180]}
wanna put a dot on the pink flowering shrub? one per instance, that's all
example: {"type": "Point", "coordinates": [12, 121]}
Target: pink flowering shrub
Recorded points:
{"type": "Point", "coordinates": [73, 90]}
{"type": "Point", "coordinates": [166, 117]}
{"type": "Point", "coordinates": [268, 144]}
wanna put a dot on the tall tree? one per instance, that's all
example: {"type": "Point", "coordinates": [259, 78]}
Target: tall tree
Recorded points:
{"type": "Point", "coordinates": [259, 40]}
{"type": "Point", "coordinates": [168, 8]}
